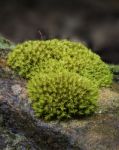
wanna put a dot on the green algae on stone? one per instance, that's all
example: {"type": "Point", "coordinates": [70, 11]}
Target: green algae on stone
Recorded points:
{"type": "Point", "coordinates": [5, 47]}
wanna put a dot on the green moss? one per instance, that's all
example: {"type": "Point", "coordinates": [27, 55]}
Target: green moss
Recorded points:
{"type": "Point", "coordinates": [73, 56]}
{"type": "Point", "coordinates": [98, 72]}
{"type": "Point", "coordinates": [90, 66]}
{"type": "Point", "coordinates": [62, 95]}
{"type": "Point", "coordinates": [64, 77]}
{"type": "Point", "coordinates": [51, 65]}
{"type": "Point", "coordinates": [28, 55]}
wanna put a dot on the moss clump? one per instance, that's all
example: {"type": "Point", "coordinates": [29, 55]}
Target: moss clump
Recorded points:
{"type": "Point", "coordinates": [5, 47]}
{"type": "Point", "coordinates": [73, 56]}
{"type": "Point", "coordinates": [64, 77]}
{"type": "Point", "coordinates": [101, 75]}
{"type": "Point", "coordinates": [91, 66]}
{"type": "Point", "coordinates": [62, 95]}
{"type": "Point", "coordinates": [51, 65]}
{"type": "Point", "coordinates": [28, 55]}
{"type": "Point", "coordinates": [5, 43]}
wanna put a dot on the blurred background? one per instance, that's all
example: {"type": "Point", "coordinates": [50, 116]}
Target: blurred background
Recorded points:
{"type": "Point", "coordinates": [93, 22]}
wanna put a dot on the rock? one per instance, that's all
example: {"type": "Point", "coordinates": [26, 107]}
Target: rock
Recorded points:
{"type": "Point", "coordinates": [13, 141]}
{"type": "Point", "coordinates": [108, 100]}
{"type": "Point", "coordinates": [10, 139]}
{"type": "Point", "coordinates": [100, 131]}
{"type": "Point", "coordinates": [16, 89]}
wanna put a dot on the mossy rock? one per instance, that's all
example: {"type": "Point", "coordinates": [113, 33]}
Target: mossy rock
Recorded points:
{"type": "Point", "coordinates": [98, 131]}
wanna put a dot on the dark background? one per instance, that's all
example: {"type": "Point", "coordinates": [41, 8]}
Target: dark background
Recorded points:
{"type": "Point", "coordinates": [94, 22]}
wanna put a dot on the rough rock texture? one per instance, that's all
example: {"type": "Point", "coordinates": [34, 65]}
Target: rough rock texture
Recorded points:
{"type": "Point", "coordinates": [99, 132]}
{"type": "Point", "coordinates": [19, 129]}
{"type": "Point", "coordinates": [14, 141]}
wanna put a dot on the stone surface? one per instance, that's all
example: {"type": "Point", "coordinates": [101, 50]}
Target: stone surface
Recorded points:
{"type": "Point", "coordinates": [16, 89]}
{"type": "Point", "coordinates": [98, 132]}
{"type": "Point", "coordinates": [14, 141]}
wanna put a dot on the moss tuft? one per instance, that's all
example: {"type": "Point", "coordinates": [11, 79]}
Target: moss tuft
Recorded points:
{"type": "Point", "coordinates": [62, 95]}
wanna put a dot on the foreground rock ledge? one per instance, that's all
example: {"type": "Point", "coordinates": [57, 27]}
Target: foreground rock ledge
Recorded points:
{"type": "Point", "coordinates": [98, 132]}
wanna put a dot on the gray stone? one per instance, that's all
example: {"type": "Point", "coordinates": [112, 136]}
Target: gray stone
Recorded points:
{"type": "Point", "coordinates": [97, 132]}
{"type": "Point", "coordinates": [16, 89]}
